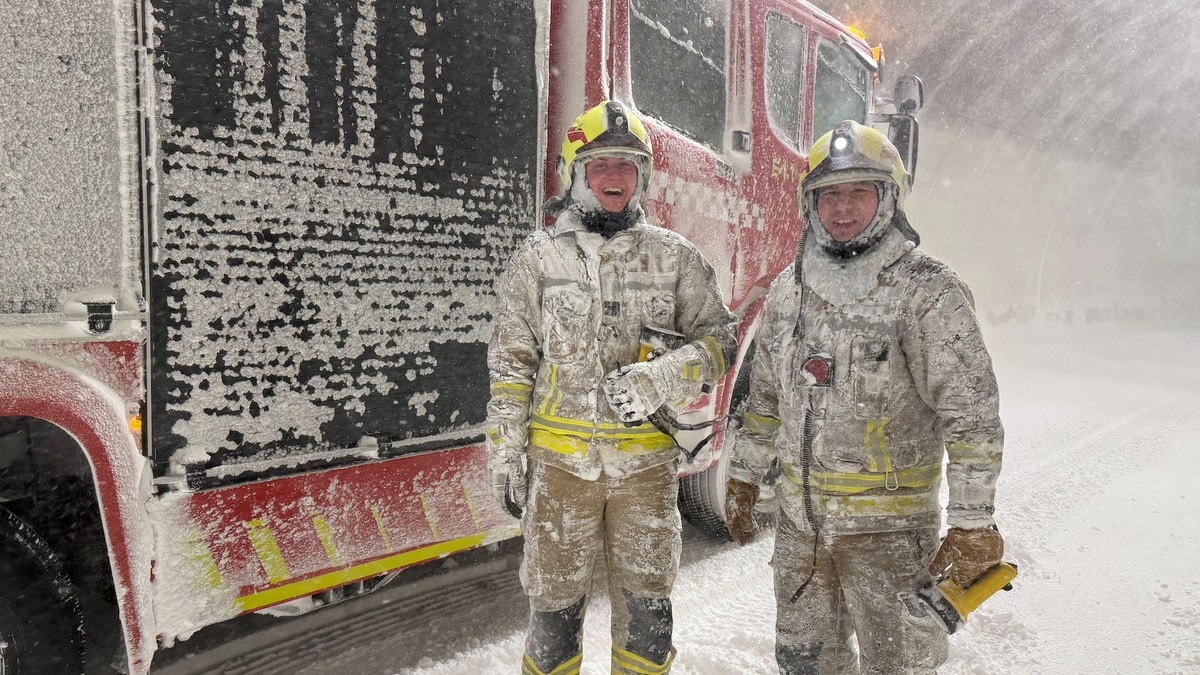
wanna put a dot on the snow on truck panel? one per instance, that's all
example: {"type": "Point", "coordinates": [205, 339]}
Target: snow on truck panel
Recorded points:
{"type": "Point", "coordinates": [339, 192]}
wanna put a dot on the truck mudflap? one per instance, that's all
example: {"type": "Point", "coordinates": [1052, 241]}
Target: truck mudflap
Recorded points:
{"type": "Point", "coordinates": [243, 548]}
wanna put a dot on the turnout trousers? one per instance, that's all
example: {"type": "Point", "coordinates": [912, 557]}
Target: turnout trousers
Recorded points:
{"type": "Point", "coordinates": [853, 592]}
{"type": "Point", "coordinates": [568, 522]}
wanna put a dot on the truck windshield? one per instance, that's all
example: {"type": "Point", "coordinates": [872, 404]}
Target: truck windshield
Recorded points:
{"type": "Point", "coordinates": [677, 64]}
{"type": "Point", "coordinates": [841, 89]}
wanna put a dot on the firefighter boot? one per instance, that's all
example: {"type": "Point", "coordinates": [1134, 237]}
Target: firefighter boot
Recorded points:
{"type": "Point", "coordinates": [555, 644]}
{"type": "Point", "coordinates": [801, 660]}
{"type": "Point", "coordinates": [648, 650]}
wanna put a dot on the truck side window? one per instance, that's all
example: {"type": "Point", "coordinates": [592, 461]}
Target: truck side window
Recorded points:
{"type": "Point", "coordinates": [840, 92]}
{"type": "Point", "coordinates": [677, 64]}
{"type": "Point", "coordinates": [785, 77]}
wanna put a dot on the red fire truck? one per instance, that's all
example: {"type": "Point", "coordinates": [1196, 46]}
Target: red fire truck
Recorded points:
{"type": "Point", "coordinates": [250, 255]}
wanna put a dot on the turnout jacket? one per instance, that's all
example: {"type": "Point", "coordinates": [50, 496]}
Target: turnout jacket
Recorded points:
{"type": "Point", "coordinates": [867, 380]}
{"type": "Point", "coordinates": [570, 311]}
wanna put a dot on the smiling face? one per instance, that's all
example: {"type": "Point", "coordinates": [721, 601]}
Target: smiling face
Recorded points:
{"type": "Point", "coordinates": [613, 180]}
{"type": "Point", "coordinates": [846, 209]}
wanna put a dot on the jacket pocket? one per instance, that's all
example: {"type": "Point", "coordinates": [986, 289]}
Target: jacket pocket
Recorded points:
{"type": "Point", "coordinates": [566, 313]}
{"type": "Point", "coordinates": [653, 296]}
{"type": "Point", "coordinates": [870, 374]}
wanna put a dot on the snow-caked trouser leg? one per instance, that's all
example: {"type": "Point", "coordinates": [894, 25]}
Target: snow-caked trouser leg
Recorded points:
{"type": "Point", "coordinates": [812, 634]}
{"type": "Point", "coordinates": [554, 643]}
{"type": "Point", "coordinates": [642, 529]}
{"type": "Point", "coordinates": [561, 526]}
{"type": "Point", "coordinates": [874, 568]}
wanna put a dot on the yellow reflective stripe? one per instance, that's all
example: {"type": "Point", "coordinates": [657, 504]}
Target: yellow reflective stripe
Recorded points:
{"type": "Point", "coordinates": [713, 347]}
{"type": "Point", "coordinates": [760, 424]}
{"type": "Point", "coordinates": [625, 662]}
{"type": "Point", "coordinates": [851, 483]}
{"type": "Point", "coordinates": [196, 551]}
{"type": "Point", "coordinates": [345, 575]}
{"type": "Point", "coordinates": [563, 445]}
{"type": "Point", "coordinates": [587, 429]}
{"type": "Point", "coordinates": [877, 504]}
{"type": "Point", "coordinates": [268, 551]}
{"type": "Point", "coordinates": [554, 396]}
{"type": "Point", "coordinates": [692, 372]}
{"type": "Point", "coordinates": [514, 391]}
{"type": "Point", "coordinates": [325, 535]}
{"type": "Point", "coordinates": [576, 445]}
{"type": "Point", "coordinates": [971, 451]}
{"type": "Point", "coordinates": [568, 667]}
{"type": "Point", "coordinates": [875, 444]}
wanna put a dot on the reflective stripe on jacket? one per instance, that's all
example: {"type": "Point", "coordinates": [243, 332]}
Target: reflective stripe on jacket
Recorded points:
{"type": "Point", "coordinates": [911, 390]}
{"type": "Point", "coordinates": [568, 315]}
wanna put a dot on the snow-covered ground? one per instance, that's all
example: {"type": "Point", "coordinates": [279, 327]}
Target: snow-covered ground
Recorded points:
{"type": "Point", "coordinates": [1098, 503]}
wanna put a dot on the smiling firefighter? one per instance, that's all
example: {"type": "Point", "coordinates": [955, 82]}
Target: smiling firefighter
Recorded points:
{"type": "Point", "coordinates": [569, 449]}
{"type": "Point", "coordinates": [870, 380]}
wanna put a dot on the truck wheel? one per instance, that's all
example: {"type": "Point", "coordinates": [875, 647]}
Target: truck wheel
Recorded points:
{"type": "Point", "coordinates": [41, 624]}
{"type": "Point", "coordinates": [702, 495]}
{"type": "Point", "coordinates": [702, 500]}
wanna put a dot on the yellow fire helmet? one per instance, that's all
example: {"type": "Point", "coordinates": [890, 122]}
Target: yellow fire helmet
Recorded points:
{"type": "Point", "coordinates": [853, 152]}
{"type": "Point", "coordinates": [606, 129]}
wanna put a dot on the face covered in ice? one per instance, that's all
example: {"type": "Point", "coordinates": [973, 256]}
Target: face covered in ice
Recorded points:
{"type": "Point", "coordinates": [608, 194]}
{"type": "Point", "coordinates": [850, 216]}
{"type": "Point", "coordinates": [846, 209]}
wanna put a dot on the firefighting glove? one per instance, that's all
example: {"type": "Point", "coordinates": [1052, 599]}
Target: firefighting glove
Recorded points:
{"type": "Point", "coordinates": [510, 487]}
{"type": "Point", "coordinates": [968, 554]}
{"type": "Point", "coordinates": [632, 392]}
{"type": "Point", "coordinates": [740, 498]}
{"type": "Point", "coordinates": [635, 391]}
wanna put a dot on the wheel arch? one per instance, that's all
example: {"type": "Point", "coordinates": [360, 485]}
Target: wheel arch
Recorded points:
{"type": "Point", "coordinates": [95, 417]}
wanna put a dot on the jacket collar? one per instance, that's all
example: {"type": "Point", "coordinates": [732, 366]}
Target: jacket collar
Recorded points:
{"type": "Point", "coordinates": [843, 281]}
{"type": "Point", "coordinates": [569, 223]}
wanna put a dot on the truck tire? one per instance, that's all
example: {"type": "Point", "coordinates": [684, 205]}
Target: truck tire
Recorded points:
{"type": "Point", "coordinates": [702, 500]}
{"type": "Point", "coordinates": [702, 495]}
{"type": "Point", "coordinates": [41, 623]}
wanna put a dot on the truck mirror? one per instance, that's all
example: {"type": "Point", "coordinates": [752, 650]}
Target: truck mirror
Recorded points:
{"type": "Point", "coordinates": [909, 94]}
{"type": "Point", "coordinates": [903, 133]}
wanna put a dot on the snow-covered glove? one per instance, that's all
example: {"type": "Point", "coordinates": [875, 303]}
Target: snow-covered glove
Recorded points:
{"type": "Point", "coordinates": [509, 487]}
{"type": "Point", "coordinates": [635, 391]}
{"type": "Point", "coordinates": [740, 498]}
{"type": "Point", "coordinates": [632, 392]}
{"type": "Point", "coordinates": [968, 554]}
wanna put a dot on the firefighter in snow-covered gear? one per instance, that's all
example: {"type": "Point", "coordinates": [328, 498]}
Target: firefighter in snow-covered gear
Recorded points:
{"type": "Point", "coordinates": [869, 381]}
{"type": "Point", "coordinates": [569, 447]}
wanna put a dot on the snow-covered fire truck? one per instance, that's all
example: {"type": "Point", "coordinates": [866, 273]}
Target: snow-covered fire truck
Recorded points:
{"type": "Point", "coordinates": [250, 249]}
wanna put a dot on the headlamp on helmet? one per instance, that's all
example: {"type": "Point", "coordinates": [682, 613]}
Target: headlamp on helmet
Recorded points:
{"type": "Point", "coordinates": [853, 152]}
{"type": "Point", "coordinates": [606, 129]}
